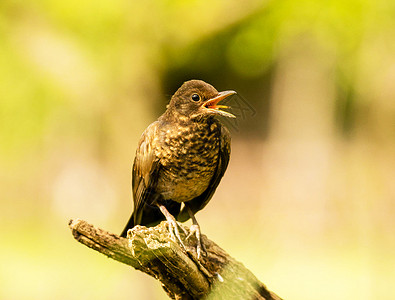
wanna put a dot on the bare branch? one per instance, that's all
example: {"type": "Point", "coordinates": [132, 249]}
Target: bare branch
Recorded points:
{"type": "Point", "coordinates": [152, 251]}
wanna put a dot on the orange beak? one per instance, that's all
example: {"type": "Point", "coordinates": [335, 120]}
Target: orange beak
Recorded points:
{"type": "Point", "coordinates": [212, 104]}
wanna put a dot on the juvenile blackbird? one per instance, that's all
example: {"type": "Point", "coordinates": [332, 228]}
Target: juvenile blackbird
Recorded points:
{"type": "Point", "coordinates": [181, 158]}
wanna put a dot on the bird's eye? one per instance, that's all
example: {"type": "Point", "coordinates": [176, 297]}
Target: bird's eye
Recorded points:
{"type": "Point", "coordinates": [195, 97]}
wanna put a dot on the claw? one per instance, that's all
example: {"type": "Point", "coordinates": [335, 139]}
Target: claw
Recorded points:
{"type": "Point", "coordinates": [174, 232]}
{"type": "Point", "coordinates": [195, 230]}
{"type": "Point", "coordinates": [173, 226]}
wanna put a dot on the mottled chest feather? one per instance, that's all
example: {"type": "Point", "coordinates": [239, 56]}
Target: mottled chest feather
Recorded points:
{"type": "Point", "coordinates": [188, 158]}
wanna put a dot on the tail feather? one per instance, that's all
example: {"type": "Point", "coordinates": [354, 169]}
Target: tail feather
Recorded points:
{"type": "Point", "coordinates": [128, 226]}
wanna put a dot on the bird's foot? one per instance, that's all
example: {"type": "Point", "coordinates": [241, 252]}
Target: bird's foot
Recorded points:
{"type": "Point", "coordinates": [173, 226]}
{"type": "Point", "coordinates": [195, 230]}
{"type": "Point", "coordinates": [175, 232]}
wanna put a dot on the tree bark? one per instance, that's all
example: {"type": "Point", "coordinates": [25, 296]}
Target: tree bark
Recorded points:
{"type": "Point", "coordinates": [215, 275]}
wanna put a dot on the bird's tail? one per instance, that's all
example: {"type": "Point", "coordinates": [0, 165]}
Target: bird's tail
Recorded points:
{"type": "Point", "coordinates": [128, 226]}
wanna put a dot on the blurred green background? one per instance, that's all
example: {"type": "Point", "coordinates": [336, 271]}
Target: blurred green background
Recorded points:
{"type": "Point", "coordinates": [307, 203]}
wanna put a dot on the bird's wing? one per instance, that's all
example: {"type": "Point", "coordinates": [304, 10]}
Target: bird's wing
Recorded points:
{"type": "Point", "coordinates": [145, 172]}
{"type": "Point", "coordinates": [201, 201]}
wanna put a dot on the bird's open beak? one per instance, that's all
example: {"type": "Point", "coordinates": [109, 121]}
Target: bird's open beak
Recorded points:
{"type": "Point", "coordinates": [212, 104]}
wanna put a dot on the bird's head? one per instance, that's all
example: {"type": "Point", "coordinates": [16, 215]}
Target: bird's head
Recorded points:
{"type": "Point", "coordinates": [198, 99]}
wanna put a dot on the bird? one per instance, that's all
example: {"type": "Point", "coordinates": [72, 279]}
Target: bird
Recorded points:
{"type": "Point", "coordinates": [180, 160]}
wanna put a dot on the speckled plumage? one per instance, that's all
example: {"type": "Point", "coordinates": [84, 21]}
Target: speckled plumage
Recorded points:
{"type": "Point", "coordinates": [180, 158]}
{"type": "Point", "coordinates": [189, 156]}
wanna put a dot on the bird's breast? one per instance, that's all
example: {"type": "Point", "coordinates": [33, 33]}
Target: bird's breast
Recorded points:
{"type": "Point", "coordinates": [189, 157]}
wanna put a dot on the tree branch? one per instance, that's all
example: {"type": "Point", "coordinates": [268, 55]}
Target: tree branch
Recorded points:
{"type": "Point", "coordinates": [152, 251]}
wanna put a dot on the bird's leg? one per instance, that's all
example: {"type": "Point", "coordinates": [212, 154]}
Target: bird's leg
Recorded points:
{"type": "Point", "coordinates": [195, 229]}
{"type": "Point", "coordinates": [173, 225]}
